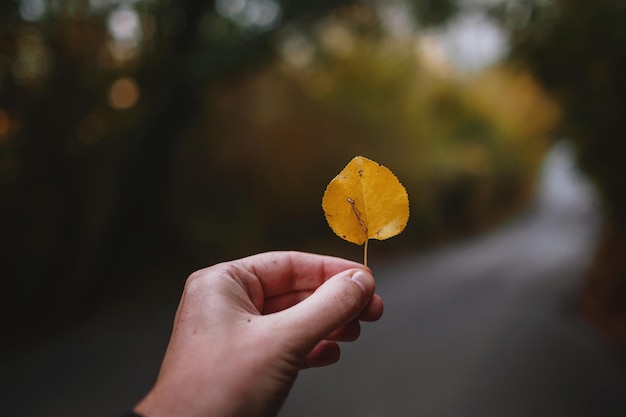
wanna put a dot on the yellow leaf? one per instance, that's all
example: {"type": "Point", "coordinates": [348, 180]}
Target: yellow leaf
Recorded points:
{"type": "Point", "coordinates": [365, 201]}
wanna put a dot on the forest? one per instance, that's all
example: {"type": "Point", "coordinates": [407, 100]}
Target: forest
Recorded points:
{"type": "Point", "coordinates": [142, 140]}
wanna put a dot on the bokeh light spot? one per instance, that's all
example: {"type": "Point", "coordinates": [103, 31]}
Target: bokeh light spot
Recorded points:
{"type": "Point", "coordinates": [252, 14]}
{"type": "Point", "coordinates": [33, 10]}
{"type": "Point", "coordinates": [123, 93]}
{"type": "Point", "coordinates": [298, 51]}
{"type": "Point", "coordinates": [124, 25]}
{"type": "Point", "coordinates": [32, 61]}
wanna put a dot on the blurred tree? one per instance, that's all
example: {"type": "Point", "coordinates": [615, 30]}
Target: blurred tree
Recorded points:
{"type": "Point", "coordinates": [577, 48]}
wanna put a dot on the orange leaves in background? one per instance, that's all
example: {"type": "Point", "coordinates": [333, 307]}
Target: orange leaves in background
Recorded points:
{"type": "Point", "coordinates": [365, 201]}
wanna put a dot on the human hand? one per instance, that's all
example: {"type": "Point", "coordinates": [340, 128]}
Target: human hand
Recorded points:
{"type": "Point", "coordinates": [244, 329]}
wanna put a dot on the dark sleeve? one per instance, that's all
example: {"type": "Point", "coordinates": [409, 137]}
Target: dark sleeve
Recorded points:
{"type": "Point", "coordinates": [130, 413]}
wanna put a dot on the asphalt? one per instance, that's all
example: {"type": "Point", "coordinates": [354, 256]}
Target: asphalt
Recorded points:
{"type": "Point", "coordinates": [485, 327]}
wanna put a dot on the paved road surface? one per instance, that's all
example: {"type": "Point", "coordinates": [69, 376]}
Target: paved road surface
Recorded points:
{"type": "Point", "coordinates": [484, 328]}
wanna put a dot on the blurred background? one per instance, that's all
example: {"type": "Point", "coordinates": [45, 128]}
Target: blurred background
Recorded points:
{"type": "Point", "coordinates": [143, 139]}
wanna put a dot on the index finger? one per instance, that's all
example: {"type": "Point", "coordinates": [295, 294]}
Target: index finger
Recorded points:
{"type": "Point", "coordinates": [283, 272]}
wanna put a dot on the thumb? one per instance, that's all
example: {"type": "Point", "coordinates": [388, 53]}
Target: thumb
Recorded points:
{"type": "Point", "coordinates": [336, 302]}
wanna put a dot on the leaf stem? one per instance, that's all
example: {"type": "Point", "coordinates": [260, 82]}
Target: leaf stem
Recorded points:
{"type": "Point", "coordinates": [365, 253]}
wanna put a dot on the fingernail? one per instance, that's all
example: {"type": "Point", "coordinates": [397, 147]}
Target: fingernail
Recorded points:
{"type": "Point", "coordinates": [364, 280]}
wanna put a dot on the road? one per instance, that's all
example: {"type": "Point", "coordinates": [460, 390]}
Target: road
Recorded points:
{"type": "Point", "coordinates": [486, 327]}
